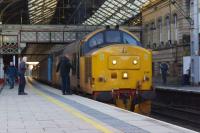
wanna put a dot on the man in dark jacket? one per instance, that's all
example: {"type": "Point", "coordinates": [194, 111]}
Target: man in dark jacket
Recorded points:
{"type": "Point", "coordinates": [12, 74]}
{"type": "Point", "coordinates": [22, 80]}
{"type": "Point", "coordinates": [64, 67]}
{"type": "Point", "coordinates": [164, 68]}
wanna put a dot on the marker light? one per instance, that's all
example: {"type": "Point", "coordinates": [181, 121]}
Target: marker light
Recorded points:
{"type": "Point", "coordinates": [114, 62]}
{"type": "Point", "coordinates": [135, 62]}
{"type": "Point", "coordinates": [32, 63]}
{"type": "Point", "coordinates": [125, 75]}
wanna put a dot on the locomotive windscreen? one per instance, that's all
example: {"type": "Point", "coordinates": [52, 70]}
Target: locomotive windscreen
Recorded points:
{"type": "Point", "coordinates": [109, 37]}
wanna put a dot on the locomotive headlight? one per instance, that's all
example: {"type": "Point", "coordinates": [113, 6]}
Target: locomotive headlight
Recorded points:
{"type": "Point", "coordinates": [135, 62]}
{"type": "Point", "coordinates": [114, 62]}
{"type": "Point", "coordinates": [125, 75]}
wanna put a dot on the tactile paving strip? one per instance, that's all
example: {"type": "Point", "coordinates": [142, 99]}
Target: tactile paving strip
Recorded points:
{"type": "Point", "coordinates": [111, 121]}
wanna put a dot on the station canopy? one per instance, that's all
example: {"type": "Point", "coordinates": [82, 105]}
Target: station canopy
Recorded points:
{"type": "Point", "coordinates": [109, 12]}
{"type": "Point", "coordinates": [116, 12]}
{"type": "Point", "coordinates": [41, 11]}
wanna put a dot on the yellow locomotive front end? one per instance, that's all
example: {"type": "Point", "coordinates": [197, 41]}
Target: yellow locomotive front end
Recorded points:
{"type": "Point", "coordinates": [121, 67]}
{"type": "Point", "coordinates": [120, 70]}
{"type": "Point", "coordinates": [124, 71]}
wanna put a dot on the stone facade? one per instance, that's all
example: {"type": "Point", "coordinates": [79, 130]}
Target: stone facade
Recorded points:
{"type": "Point", "coordinates": [167, 33]}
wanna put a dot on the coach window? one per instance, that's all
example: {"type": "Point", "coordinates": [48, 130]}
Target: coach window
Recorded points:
{"type": "Point", "coordinates": [113, 37]}
{"type": "Point", "coordinates": [96, 40]}
{"type": "Point", "coordinates": [127, 39]}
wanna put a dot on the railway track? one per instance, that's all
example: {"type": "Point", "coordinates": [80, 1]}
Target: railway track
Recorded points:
{"type": "Point", "coordinates": [182, 116]}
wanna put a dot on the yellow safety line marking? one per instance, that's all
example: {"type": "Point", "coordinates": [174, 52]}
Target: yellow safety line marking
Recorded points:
{"type": "Point", "coordinates": [67, 108]}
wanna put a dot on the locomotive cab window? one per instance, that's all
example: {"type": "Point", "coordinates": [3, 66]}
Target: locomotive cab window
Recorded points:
{"type": "Point", "coordinates": [113, 37]}
{"type": "Point", "coordinates": [96, 40]}
{"type": "Point", "coordinates": [127, 39]}
{"type": "Point", "coordinates": [108, 37]}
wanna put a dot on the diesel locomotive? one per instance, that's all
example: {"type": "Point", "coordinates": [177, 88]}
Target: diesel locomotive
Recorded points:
{"type": "Point", "coordinates": [109, 64]}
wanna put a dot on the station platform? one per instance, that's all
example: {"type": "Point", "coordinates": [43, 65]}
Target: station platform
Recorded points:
{"type": "Point", "coordinates": [187, 89]}
{"type": "Point", "coordinates": [45, 110]}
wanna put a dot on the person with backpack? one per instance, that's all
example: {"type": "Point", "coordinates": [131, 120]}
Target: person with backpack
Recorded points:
{"type": "Point", "coordinates": [64, 67]}
{"type": "Point", "coordinates": [12, 74]}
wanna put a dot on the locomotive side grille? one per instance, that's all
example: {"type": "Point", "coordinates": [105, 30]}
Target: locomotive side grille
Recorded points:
{"type": "Point", "coordinates": [88, 68]}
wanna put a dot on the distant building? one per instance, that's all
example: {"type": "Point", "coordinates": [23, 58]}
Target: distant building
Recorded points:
{"type": "Point", "coordinates": [167, 33]}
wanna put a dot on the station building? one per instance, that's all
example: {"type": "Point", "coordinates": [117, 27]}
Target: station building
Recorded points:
{"type": "Point", "coordinates": [108, 65]}
{"type": "Point", "coordinates": [166, 30]}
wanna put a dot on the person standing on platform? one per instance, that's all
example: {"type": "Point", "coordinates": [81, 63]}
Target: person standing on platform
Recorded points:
{"type": "Point", "coordinates": [164, 69]}
{"type": "Point", "coordinates": [12, 74]}
{"type": "Point", "coordinates": [22, 80]}
{"type": "Point", "coordinates": [64, 67]}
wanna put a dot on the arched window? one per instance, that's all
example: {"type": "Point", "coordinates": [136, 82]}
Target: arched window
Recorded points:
{"type": "Point", "coordinates": [153, 28]}
{"type": "Point", "coordinates": [160, 29]}
{"type": "Point", "coordinates": [146, 28]}
{"type": "Point", "coordinates": [175, 27]}
{"type": "Point", "coordinates": [168, 27]}
{"type": "Point", "coordinates": [147, 34]}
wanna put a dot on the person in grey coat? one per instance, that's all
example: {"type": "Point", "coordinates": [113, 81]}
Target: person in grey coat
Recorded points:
{"type": "Point", "coordinates": [22, 80]}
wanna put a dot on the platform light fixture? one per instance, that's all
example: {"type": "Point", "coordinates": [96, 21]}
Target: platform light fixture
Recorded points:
{"type": "Point", "coordinates": [32, 63]}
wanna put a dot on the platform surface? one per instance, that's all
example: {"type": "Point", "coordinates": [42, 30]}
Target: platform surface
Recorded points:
{"type": "Point", "coordinates": [189, 89]}
{"type": "Point", "coordinates": [45, 110]}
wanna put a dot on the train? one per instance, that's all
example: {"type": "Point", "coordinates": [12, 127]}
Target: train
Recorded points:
{"type": "Point", "coordinates": [110, 65]}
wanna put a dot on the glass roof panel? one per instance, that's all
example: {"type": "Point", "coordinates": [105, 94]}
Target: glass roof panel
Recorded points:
{"type": "Point", "coordinates": [41, 11]}
{"type": "Point", "coordinates": [113, 12]}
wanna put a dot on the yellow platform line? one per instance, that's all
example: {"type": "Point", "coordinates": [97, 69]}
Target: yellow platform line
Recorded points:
{"type": "Point", "coordinates": [67, 108]}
